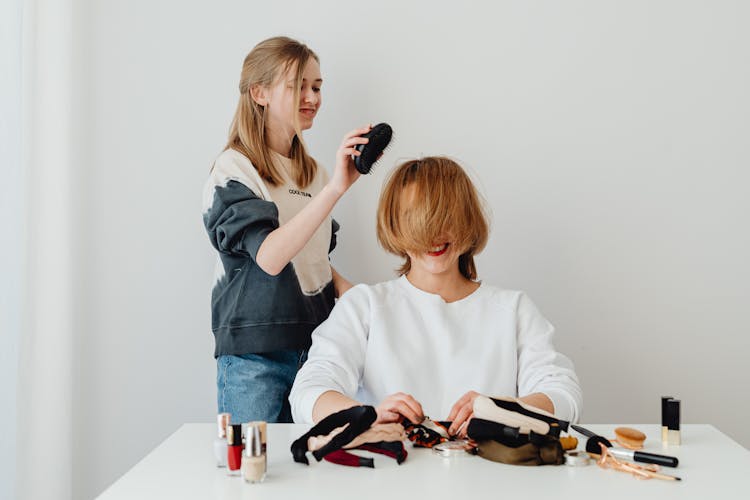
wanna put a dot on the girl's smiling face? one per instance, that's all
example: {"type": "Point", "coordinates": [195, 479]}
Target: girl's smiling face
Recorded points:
{"type": "Point", "coordinates": [441, 259]}
{"type": "Point", "coordinates": [282, 109]}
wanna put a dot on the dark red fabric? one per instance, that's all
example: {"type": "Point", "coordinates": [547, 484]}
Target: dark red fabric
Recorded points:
{"type": "Point", "coordinates": [343, 457]}
{"type": "Point", "coordinates": [392, 449]}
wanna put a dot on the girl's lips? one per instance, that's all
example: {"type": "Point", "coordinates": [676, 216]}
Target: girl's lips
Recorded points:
{"type": "Point", "coordinates": [439, 250]}
{"type": "Point", "coordinates": [307, 112]}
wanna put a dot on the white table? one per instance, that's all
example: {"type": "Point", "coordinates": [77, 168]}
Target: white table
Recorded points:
{"type": "Point", "coordinates": [711, 464]}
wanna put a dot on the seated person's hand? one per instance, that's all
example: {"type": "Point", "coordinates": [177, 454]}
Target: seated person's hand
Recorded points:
{"type": "Point", "coordinates": [398, 405]}
{"type": "Point", "coordinates": [460, 414]}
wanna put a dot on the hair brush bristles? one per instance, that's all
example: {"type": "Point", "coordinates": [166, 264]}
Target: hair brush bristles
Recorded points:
{"type": "Point", "coordinates": [380, 137]}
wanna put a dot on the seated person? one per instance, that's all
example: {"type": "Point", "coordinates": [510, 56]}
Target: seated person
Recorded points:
{"type": "Point", "coordinates": [429, 341]}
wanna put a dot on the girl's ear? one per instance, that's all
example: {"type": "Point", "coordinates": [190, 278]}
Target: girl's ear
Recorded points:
{"type": "Point", "coordinates": [258, 93]}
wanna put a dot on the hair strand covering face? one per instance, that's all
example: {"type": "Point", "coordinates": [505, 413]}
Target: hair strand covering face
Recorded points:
{"type": "Point", "coordinates": [429, 199]}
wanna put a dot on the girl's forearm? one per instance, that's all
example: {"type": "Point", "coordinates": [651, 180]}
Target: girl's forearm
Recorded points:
{"type": "Point", "coordinates": [330, 402]}
{"type": "Point", "coordinates": [539, 400]}
{"type": "Point", "coordinates": [286, 241]}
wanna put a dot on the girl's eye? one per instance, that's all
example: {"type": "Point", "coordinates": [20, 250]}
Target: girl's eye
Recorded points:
{"type": "Point", "coordinates": [316, 89]}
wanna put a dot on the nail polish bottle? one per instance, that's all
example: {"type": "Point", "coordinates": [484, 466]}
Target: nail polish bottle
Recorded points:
{"type": "Point", "coordinates": [220, 443]}
{"type": "Point", "coordinates": [254, 459]}
{"type": "Point", "coordinates": [234, 449]}
{"type": "Point", "coordinates": [262, 426]}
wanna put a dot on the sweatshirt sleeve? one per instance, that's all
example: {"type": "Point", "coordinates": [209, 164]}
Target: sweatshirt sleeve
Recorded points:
{"type": "Point", "coordinates": [541, 368]}
{"type": "Point", "coordinates": [337, 355]}
{"type": "Point", "coordinates": [237, 220]}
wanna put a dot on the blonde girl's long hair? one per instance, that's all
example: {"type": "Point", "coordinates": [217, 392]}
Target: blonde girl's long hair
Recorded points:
{"type": "Point", "coordinates": [264, 65]}
{"type": "Point", "coordinates": [426, 199]}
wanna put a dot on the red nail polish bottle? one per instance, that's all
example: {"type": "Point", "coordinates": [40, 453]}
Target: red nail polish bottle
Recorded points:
{"type": "Point", "coordinates": [234, 449]}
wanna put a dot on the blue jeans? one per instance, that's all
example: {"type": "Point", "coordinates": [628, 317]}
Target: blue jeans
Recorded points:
{"type": "Point", "coordinates": [257, 386]}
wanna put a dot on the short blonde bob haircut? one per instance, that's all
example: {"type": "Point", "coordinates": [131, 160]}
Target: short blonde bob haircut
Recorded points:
{"type": "Point", "coordinates": [426, 199]}
{"type": "Point", "coordinates": [264, 65]}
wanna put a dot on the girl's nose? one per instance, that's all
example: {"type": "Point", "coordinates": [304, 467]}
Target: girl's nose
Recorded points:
{"type": "Point", "coordinates": [309, 97]}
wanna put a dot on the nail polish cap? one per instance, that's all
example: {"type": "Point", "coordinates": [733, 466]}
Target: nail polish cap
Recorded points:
{"type": "Point", "coordinates": [234, 435]}
{"type": "Point", "coordinates": [253, 444]}
{"type": "Point", "coordinates": [262, 425]}
{"type": "Point", "coordinates": [222, 421]}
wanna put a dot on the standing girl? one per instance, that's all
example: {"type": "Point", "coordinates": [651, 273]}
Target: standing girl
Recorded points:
{"type": "Point", "coordinates": [266, 207]}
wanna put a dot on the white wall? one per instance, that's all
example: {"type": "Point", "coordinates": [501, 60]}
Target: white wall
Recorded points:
{"type": "Point", "coordinates": [610, 139]}
{"type": "Point", "coordinates": [12, 240]}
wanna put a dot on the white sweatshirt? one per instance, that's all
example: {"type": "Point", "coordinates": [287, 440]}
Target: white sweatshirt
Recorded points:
{"type": "Point", "coordinates": [393, 337]}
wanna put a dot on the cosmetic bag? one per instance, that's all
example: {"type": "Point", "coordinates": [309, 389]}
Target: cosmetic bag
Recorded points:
{"type": "Point", "coordinates": [511, 432]}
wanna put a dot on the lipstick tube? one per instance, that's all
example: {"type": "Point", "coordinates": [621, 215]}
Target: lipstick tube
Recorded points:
{"type": "Point", "coordinates": [664, 429]}
{"type": "Point", "coordinates": [672, 421]}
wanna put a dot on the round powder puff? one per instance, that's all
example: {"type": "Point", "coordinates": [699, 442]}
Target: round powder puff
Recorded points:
{"type": "Point", "coordinates": [630, 438]}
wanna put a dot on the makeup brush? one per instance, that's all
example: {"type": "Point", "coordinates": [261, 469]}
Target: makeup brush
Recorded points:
{"type": "Point", "coordinates": [592, 446]}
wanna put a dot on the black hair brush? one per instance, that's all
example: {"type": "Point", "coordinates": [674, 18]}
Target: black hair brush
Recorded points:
{"type": "Point", "coordinates": [380, 136]}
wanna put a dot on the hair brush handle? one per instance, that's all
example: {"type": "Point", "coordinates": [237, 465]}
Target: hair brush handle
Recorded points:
{"type": "Point", "coordinates": [379, 137]}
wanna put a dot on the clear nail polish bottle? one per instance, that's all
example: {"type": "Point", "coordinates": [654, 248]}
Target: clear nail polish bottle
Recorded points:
{"type": "Point", "coordinates": [254, 457]}
{"type": "Point", "coordinates": [220, 443]}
